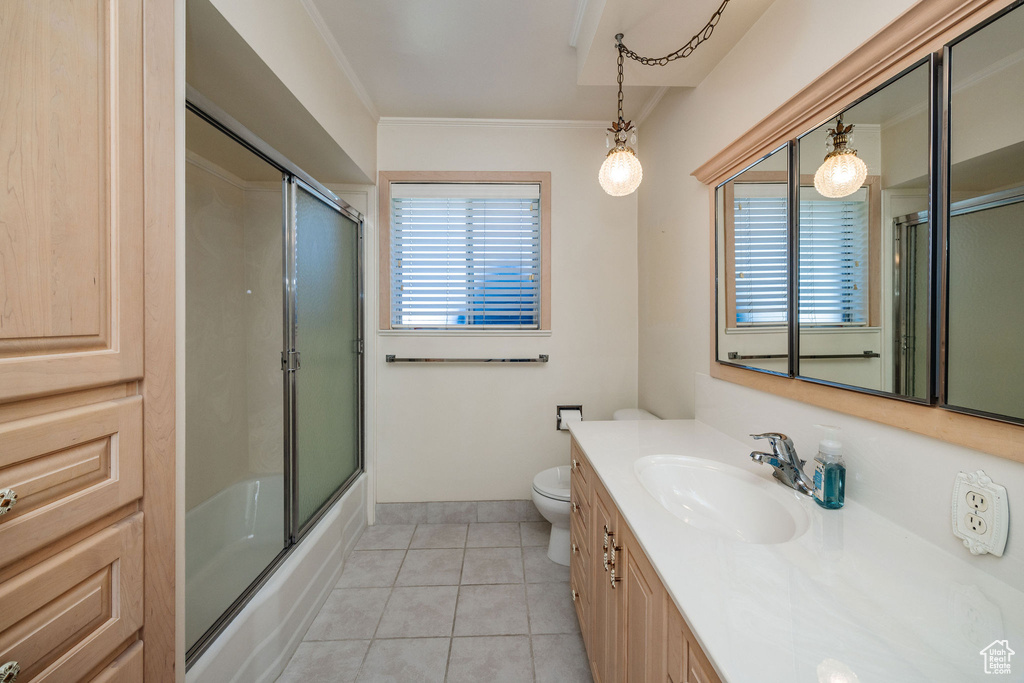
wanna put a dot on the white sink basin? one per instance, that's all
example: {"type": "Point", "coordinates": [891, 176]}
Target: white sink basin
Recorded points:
{"type": "Point", "coordinates": [723, 499]}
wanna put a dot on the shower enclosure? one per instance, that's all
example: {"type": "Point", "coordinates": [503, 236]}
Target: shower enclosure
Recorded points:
{"type": "Point", "coordinates": [273, 363]}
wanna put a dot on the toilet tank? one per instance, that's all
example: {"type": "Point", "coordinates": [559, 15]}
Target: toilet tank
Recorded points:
{"type": "Point", "coordinates": [633, 414]}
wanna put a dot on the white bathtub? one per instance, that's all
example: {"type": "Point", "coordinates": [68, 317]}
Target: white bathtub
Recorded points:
{"type": "Point", "coordinates": [258, 643]}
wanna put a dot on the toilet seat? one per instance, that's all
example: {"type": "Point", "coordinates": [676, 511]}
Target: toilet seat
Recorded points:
{"type": "Point", "coordinates": [553, 483]}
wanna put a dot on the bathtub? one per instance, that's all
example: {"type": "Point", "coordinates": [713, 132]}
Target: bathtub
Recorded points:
{"type": "Point", "coordinates": [261, 639]}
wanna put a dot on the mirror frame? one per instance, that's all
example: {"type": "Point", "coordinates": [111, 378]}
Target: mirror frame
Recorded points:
{"type": "Point", "coordinates": [934, 72]}
{"type": "Point", "coordinates": [718, 287]}
{"type": "Point", "coordinates": [921, 30]}
{"type": "Point", "coordinates": [942, 246]}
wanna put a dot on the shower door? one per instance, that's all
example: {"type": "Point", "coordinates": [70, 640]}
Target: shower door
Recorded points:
{"type": "Point", "coordinates": [325, 368]}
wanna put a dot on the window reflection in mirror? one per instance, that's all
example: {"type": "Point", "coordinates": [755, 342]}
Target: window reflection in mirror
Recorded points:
{"type": "Point", "coordinates": [752, 228]}
{"type": "Point", "coordinates": [985, 305]}
{"type": "Point", "coordinates": [863, 273]}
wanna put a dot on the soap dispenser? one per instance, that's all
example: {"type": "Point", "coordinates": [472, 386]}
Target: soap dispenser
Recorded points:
{"type": "Point", "coordinates": [830, 470]}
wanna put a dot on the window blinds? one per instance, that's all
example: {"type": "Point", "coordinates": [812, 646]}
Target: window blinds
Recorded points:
{"type": "Point", "coordinates": [760, 230]}
{"type": "Point", "coordinates": [465, 256]}
{"type": "Point", "coordinates": [833, 258]}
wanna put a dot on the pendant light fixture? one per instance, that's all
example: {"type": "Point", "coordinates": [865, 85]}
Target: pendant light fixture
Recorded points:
{"type": "Point", "coordinates": [621, 172]}
{"type": "Point", "coordinates": [843, 172]}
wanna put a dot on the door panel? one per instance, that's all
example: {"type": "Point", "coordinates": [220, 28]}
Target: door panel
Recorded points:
{"type": "Point", "coordinates": [71, 236]}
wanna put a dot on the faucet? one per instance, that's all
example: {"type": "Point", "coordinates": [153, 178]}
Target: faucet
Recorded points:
{"type": "Point", "coordinates": [788, 465]}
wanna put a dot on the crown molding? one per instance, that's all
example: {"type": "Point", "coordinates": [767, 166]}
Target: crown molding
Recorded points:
{"type": "Point", "coordinates": [488, 123]}
{"type": "Point", "coordinates": [650, 104]}
{"type": "Point", "coordinates": [339, 57]}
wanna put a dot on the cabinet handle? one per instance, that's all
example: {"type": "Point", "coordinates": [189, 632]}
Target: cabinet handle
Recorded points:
{"type": "Point", "coordinates": [575, 464]}
{"type": "Point", "coordinates": [575, 549]}
{"type": "Point", "coordinates": [7, 500]}
{"type": "Point", "coordinates": [575, 507]}
{"type": "Point", "coordinates": [9, 672]}
{"type": "Point", "coordinates": [613, 578]}
{"type": "Point", "coordinates": [574, 595]}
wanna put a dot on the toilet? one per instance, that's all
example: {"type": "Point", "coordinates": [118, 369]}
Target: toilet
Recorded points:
{"type": "Point", "coordinates": [551, 495]}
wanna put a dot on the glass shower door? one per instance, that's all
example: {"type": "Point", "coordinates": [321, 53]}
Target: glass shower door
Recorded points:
{"type": "Point", "coordinates": [327, 334]}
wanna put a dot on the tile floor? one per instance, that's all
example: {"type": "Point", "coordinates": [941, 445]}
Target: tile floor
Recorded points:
{"type": "Point", "coordinates": [473, 603]}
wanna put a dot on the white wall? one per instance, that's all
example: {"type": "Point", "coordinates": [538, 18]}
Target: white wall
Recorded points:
{"type": "Point", "coordinates": [481, 432]}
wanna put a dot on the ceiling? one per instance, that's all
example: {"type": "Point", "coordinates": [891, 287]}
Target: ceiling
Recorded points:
{"type": "Point", "coordinates": [521, 59]}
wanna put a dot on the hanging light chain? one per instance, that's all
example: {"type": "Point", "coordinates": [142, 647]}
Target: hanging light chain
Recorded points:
{"type": "Point", "coordinates": [621, 119]}
{"type": "Point", "coordinates": [681, 53]}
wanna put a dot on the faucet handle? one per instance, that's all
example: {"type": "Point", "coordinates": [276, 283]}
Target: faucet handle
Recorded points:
{"type": "Point", "coordinates": [772, 436]}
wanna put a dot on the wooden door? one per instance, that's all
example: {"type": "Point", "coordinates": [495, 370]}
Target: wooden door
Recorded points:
{"type": "Point", "coordinates": [643, 637]}
{"type": "Point", "coordinates": [87, 329]}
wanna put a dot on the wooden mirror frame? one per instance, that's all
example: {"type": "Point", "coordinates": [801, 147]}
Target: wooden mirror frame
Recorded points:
{"type": "Point", "coordinates": [923, 29]}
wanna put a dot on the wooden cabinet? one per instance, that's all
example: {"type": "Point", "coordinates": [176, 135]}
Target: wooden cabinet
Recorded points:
{"type": "Point", "coordinates": [632, 630]}
{"type": "Point", "coordinates": [87, 458]}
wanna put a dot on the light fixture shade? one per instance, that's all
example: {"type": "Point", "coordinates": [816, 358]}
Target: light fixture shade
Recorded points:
{"type": "Point", "coordinates": [621, 172]}
{"type": "Point", "coordinates": [842, 174]}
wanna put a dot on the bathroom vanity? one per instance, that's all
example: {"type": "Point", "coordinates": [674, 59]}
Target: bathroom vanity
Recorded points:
{"type": "Point", "coordinates": [763, 592]}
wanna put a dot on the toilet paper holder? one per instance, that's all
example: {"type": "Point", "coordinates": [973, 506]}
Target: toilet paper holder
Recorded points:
{"type": "Point", "coordinates": [558, 415]}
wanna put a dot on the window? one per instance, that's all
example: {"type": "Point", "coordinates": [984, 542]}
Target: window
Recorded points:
{"type": "Point", "coordinates": [834, 256]}
{"type": "Point", "coordinates": [465, 255]}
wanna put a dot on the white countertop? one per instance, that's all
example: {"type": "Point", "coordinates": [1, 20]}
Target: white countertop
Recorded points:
{"type": "Point", "coordinates": [855, 598]}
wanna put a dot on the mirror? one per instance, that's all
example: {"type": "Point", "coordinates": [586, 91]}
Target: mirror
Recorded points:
{"type": "Point", "coordinates": [752, 270]}
{"type": "Point", "coordinates": [863, 243]}
{"type": "Point", "coordinates": [984, 362]}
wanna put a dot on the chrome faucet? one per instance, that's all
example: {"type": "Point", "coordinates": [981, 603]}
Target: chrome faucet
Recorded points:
{"type": "Point", "coordinates": [789, 468]}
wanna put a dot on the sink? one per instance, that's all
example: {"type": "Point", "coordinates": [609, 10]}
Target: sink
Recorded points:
{"type": "Point", "coordinates": [723, 499]}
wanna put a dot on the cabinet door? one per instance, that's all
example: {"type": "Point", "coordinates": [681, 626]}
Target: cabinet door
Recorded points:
{"type": "Point", "coordinates": [71, 236]}
{"type": "Point", "coordinates": [605, 599]}
{"type": "Point", "coordinates": [643, 638]}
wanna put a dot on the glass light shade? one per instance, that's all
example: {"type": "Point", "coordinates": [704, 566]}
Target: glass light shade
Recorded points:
{"type": "Point", "coordinates": [840, 175]}
{"type": "Point", "coordinates": [621, 172]}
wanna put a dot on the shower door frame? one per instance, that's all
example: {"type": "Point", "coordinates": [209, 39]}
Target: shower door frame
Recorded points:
{"type": "Point", "coordinates": [294, 529]}
{"type": "Point", "coordinates": [292, 176]}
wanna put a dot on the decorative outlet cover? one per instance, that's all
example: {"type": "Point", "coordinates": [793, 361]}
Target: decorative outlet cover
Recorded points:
{"type": "Point", "coordinates": [976, 497]}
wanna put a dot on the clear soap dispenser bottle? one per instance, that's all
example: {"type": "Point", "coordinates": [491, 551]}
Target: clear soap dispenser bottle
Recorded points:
{"type": "Point", "coordinates": [830, 470]}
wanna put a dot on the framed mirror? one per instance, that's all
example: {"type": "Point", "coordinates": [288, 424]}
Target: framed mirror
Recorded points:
{"type": "Point", "coordinates": [984, 313]}
{"type": "Point", "coordinates": [752, 265]}
{"type": "Point", "coordinates": [864, 243]}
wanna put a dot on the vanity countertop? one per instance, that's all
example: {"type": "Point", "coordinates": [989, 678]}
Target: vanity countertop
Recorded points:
{"type": "Point", "coordinates": [855, 598]}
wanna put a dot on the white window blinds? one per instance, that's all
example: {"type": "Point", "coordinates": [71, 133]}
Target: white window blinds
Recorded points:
{"type": "Point", "coordinates": [834, 260]}
{"type": "Point", "coordinates": [760, 229]}
{"type": "Point", "coordinates": [465, 256]}
{"type": "Point", "coordinates": [833, 257]}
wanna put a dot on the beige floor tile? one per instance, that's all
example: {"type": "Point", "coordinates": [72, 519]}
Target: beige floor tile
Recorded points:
{"type": "Point", "coordinates": [561, 659]}
{"type": "Point", "coordinates": [405, 660]}
{"type": "Point", "coordinates": [492, 565]}
{"type": "Point", "coordinates": [491, 610]}
{"type": "Point", "coordinates": [401, 513]}
{"type": "Point", "coordinates": [431, 568]}
{"type": "Point", "coordinates": [439, 536]}
{"type": "Point", "coordinates": [451, 512]}
{"type": "Point", "coordinates": [386, 537]}
{"type": "Point", "coordinates": [325, 662]}
{"type": "Point", "coordinates": [540, 569]}
{"type": "Point", "coordinates": [493, 535]}
{"type": "Point", "coordinates": [349, 614]}
{"type": "Point", "coordinates": [551, 609]}
{"type": "Point", "coordinates": [419, 611]}
{"type": "Point", "coordinates": [535, 533]}
{"type": "Point", "coordinates": [371, 568]}
{"type": "Point", "coordinates": [499, 659]}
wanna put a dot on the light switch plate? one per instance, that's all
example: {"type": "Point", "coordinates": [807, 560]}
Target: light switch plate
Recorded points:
{"type": "Point", "coordinates": [980, 513]}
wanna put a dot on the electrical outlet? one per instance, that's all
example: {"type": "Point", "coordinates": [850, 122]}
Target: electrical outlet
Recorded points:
{"type": "Point", "coordinates": [976, 524]}
{"type": "Point", "coordinates": [977, 500]}
{"type": "Point", "coordinates": [980, 513]}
